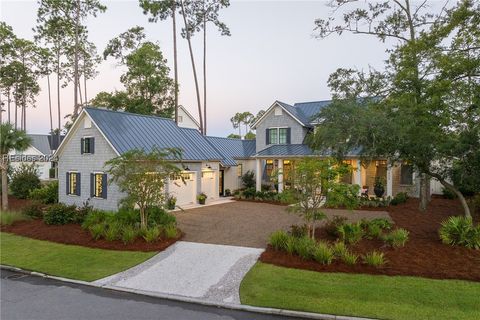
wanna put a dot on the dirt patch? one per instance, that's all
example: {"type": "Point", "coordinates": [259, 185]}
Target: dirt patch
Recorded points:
{"type": "Point", "coordinates": [424, 254]}
{"type": "Point", "coordinates": [74, 234]}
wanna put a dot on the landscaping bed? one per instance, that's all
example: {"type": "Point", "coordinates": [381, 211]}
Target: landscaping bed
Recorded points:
{"type": "Point", "coordinates": [74, 234]}
{"type": "Point", "coordinates": [423, 255]}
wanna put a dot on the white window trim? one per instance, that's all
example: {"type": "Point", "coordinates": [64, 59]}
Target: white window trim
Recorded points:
{"type": "Point", "coordinates": [278, 135]}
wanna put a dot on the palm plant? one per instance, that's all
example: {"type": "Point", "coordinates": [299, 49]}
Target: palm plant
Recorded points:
{"type": "Point", "coordinates": [10, 139]}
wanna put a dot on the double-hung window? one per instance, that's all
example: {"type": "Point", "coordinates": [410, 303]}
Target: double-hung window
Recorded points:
{"type": "Point", "coordinates": [406, 174]}
{"type": "Point", "coordinates": [278, 136]}
{"type": "Point", "coordinates": [87, 145]}
{"type": "Point", "coordinates": [283, 135]}
{"type": "Point", "coordinates": [73, 183]}
{"type": "Point", "coordinates": [239, 170]}
{"type": "Point", "coordinates": [98, 185]}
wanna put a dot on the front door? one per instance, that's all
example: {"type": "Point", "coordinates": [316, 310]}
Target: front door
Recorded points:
{"type": "Point", "coordinates": [221, 183]}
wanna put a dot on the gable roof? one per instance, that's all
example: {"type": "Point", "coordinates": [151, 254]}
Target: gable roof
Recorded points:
{"type": "Point", "coordinates": [298, 150]}
{"type": "Point", "coordinates": [127, 131]}
{"type": "Point", "coordinates": [302, 112]}
{"type": "Point", "coordinates": [40, 142]}
{"type": "Point", "coordinates": [232, 149]}
{"type": "Point", "coordinates": [189, 115]}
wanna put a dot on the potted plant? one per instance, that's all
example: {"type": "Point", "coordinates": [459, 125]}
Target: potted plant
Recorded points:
{"type": "Point", "coordinates": [379, 187]}
{"type": "Point", "coordinates": [228, 193]}
{"type": "Point", "coordinates": [171, 202]}
{"type": "Point", "coordinates": [201, 198]}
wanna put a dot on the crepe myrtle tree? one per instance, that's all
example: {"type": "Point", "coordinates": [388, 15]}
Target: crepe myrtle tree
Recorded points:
{"type": "Point", "coordinates": [142, 176]}
{"type": "Point", "coordinates": [317, 183]}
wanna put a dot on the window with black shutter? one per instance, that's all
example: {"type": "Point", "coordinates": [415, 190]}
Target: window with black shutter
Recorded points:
{"type": "Point", "coordinates": [98, 185]}
{"type": "Point", "coordinates": [73, 183]}
{"type": "Point", "coordinates": [87, 145]}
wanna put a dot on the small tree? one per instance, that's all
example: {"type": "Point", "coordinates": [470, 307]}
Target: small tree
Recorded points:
{"type": "Point", "coordinates": [24, 180]}
{"type": "Point", "coordinates": [318, 184]}
{"type": "Point", "coordinates": [142, 175]}
{"type": "Point", "coordinates": [248, 179]}
{"type": "Point", "coordinates": [10, 139]}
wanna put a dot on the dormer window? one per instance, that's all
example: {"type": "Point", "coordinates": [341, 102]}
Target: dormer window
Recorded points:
{"type": "Point", "coordinates": [278, 136]}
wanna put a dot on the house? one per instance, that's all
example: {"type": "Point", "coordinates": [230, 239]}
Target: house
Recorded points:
{"type": "Point", "coordinates": [280, 141]}
{"type": "Point", "coordinates": [186, 120]}
{"type": "Point", "coordinates": [99, 135]}
{"type": "Point", "coordinates": [39, 152]}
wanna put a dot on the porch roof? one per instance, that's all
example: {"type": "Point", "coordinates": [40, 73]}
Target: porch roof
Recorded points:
{"type": "Point", "coordinates": [297, 150]}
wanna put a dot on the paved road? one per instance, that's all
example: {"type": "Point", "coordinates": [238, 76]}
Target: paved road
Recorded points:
{"type": "Point", "coordinates": [30, 297]}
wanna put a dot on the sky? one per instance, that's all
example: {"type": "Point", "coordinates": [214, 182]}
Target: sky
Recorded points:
{"type": "Point", "coordinates": [272, 54]}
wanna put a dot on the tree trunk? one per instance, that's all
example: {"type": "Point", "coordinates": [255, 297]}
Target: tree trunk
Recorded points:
{"type": "Point", "coordinates": [58, 98]}
{"type": "Point", "coordinates": [8, 103]}
{"type": "Point", "coordinates": [85, 79]}
{"type": "Point", "coordinates": [463, 201]}
{"type": "Point", "coordinates": [80, 93]}
{"type": "Point", "coordinates": [205, 72]}
{"type": "Point", "coordinates": [4, 185]}
{"type": "Point", "coordinates": [50, 103]}
{"type": "Point", "coordinates": [175, 66]}
{"type": "Point", "coordinates": [75, 63]}
{"type": "Point", "coordinates": [143, 222]}
{"type": "Point", "coordinates": [193, 67]}
{"type": "Point", "coordinates": [423, 192]}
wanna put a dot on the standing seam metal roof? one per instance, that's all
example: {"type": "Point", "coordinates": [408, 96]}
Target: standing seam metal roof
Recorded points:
{"type": "Point", "coordinates": [128, 131]}
{"type": "Point", "coordinates": [40, 142]}
{"type": "Point", "coordinates": [232, 149]}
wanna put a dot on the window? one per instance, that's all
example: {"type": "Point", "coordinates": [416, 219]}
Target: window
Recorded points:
{"type": "Point", "coordinates": [278, 111]}
{"type": "Point", "coordinates": [73, 183]}
{"type": "Point", "coordinates": [406, 174]}
{"type": "Point", "coordinates": [87, 123]}
{"type": "Point", "coordinates": [87, 145]}
{"type": "Point", "coordinates": [278, 135]}
{"type": "Point", "coordinates": [239, 170]}
{"type": "Point", "coordinates": [98, 185]}
{"type": "Point", "coordinates": [282, 135]}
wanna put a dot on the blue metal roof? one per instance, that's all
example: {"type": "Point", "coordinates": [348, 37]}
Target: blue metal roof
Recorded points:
{"type": "Point", "coordinates": [309, 110]}
{"type": "Point", "coordinates": [232, 149]}
{"type": "Point", "coordinates": [298, 150]}
{"type": "Point", "coordinates": [127, 131]}
{"type": "Point", "coordinates": [40, 142]}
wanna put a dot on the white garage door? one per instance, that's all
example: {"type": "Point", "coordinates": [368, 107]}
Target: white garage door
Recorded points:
{"type": "Point", "coordinates": [184, 191]}
{"type": "Point", "coordinates": [209, 184]}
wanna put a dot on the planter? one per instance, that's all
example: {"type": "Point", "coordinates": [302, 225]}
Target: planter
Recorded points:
{"type": "Point", "coordinates": [379, 191]}
{"type": "Point", "coordinates": [201, 201]}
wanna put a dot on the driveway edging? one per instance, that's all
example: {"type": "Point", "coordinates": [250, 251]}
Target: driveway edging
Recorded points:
{"type": "Point", "coordinates": [240, 307]}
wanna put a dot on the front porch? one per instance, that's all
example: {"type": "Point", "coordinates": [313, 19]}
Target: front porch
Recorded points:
{"type": "Point", "coordinates": [362, 173]}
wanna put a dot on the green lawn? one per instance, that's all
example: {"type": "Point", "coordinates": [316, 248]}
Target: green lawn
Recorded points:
{"type": "Point", "coordinates": [68, 261]}
{"type": "Point", "coordinates": [360, 295]}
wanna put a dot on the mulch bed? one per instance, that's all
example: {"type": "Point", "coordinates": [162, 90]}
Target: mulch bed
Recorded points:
{"type": "Point", "coordinates": [74, 234]}
{"type": "Point", "coordinates": [15, 204]}
{"type": "Point", "coordinates": [424, 254]}
{"type": "Point", "coordinates": [264, 201]}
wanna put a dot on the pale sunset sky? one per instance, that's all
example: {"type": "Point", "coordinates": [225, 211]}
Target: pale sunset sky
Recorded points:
{"type": "Point", "coordinates": [271, 55]}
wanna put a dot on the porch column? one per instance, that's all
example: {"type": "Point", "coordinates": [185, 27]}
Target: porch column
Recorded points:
{"type": "Point", "coordinates": [258, 174]}
{"type": "Point", "coordinates": [358, 176]}
{"type": "Point", "coordinates": [280, 175]}
{"type": "Point", "coordinates": [389, 180]}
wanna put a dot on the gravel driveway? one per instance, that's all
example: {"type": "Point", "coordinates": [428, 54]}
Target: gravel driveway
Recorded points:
{"type": "Point", "coordinates": [247, 224]}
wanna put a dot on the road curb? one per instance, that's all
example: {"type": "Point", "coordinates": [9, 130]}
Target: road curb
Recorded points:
{"type": "Point", "coordinates": [239, 307]}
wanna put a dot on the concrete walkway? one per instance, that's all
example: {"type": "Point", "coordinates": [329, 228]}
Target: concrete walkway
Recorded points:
{"type": "Point", "coordinates": [206, 271]}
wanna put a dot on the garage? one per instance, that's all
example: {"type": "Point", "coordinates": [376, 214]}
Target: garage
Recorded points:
{"type": "Point", "coordinates": [185, 191]}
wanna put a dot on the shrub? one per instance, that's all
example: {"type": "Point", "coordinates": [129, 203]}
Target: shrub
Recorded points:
{"type": "Point", "coordinates": [249, 193]}
{"type": "Point", "coordinates": [278, 240]}
{"type": "Point", "coordinates": [288, 196]}
{"type": "Point", "coordinates": [129, 234]}
{"type": "Point", "coordinates": [95, 217]}
{"type": "Point", "coordinates": [474, 204]}
{"type": "Point", "coordinates": [34, 210]}
{"type": "Point", "coordinates": [9, 217]}
{"type": "Point", "coordinates": [397, 238]}
{"type": "Point", "coordinates": [460, 231]}
{"type": "Point", "coordinates": [97, 230]}
{"type": "Point", "coordinates": [113, 232]}
{"type": "Point", "coordinates": [331, 227]}
{"type": "Point", "coordinates": [48, 194]}
{"type": "Point", "coordinates": [248, 179]}
{"type": "Point", "coordinates": [170, 231]}
{"type": "Point", "coordinates": [171, 202]}
{"type": "Point", "coordinates": [228, 193]}
{"type": "Point", "coordinates": [152, 234]}
{"type": "Point", "coordinates": [59, 214]}
{"type": "Point", "coordinates": [448, 194]}
{"type": "Point", "coordinates": [374, 258]}
{"type": "Point", "coordinates": [350, 232]}
{"type": "Point", "coordinates": [290, 245]}
{"type": "Point", "coordinates": [304, 247]}
{"type": "Point", "coordinates": [24, 180]}
{"type": "Point", "coordinates": [399, 198]}
{"type": "Point", "coordinates": [339, 249]}
{"type": "Point", "coordinates": [373, 228]}
{"type": "Point", "coordinates": [157, 216]}
{"type": "Point", "coordinates": [349, 258]}
{"type": "Point", "coordinates": [323, 253]}
{"type": "Point", "coordinates": [298, 231]}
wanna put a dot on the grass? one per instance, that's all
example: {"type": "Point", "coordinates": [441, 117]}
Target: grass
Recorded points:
{"type": "Point", "coordinates": [360, 295]}
{"type": "Point", "coordinates": [68, 261]}
{"type": "Point", "coordinates": [9, 217]}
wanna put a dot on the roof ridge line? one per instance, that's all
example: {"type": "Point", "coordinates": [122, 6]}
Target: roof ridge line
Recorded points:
{"type": "Point", "coordinates": [130, 113]}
